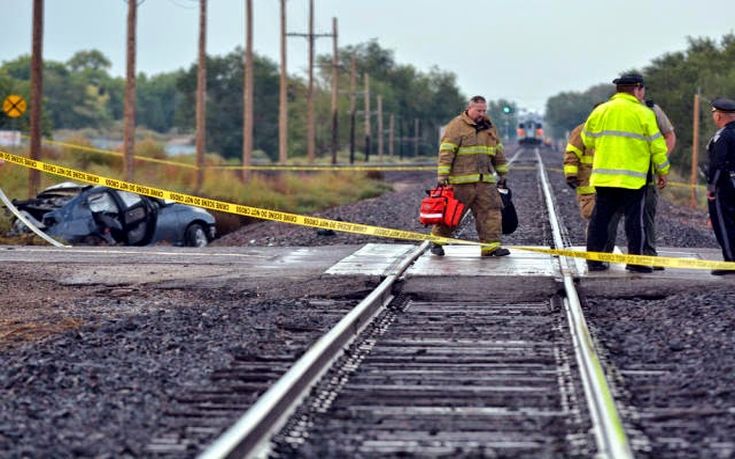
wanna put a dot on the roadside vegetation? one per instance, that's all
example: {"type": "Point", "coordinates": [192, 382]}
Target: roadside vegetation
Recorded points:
{"type": "Point", "coordinates": [672, 80]}
{"type": "Point", "coordinates": [81, 94]}
{"type": "Point", "coordinates": [297, 192]}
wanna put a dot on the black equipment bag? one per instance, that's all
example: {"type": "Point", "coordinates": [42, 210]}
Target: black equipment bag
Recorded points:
{"type": "Point", "coordinates": [509, 215]}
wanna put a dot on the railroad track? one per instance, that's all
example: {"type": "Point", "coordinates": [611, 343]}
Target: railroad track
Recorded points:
{"type": "Point", "coordinates": [510, 376]}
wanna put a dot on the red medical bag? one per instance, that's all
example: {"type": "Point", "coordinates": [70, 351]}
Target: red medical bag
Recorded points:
{"type": "Point", "coordinates": [440, 206]}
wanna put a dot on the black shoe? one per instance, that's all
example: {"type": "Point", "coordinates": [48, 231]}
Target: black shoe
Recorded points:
{"type": "Point", "coordinates": [722, 272]}
{"type": "Point", "coordinates": [597, 266]}
{"type": "Point", "coordinates": [499, 252]}
{"type": "Point", "coordinates": [659, 268]}
{"type": "Point", "coordinates": [437, 250]}
{"type": "Point", "coordinates": [639, 268]}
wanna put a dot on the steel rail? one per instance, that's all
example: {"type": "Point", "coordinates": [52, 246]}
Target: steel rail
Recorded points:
{"type": "Point", "coordinates": [612, 441]}
{"type": "Point", "coordinates": [250, 435]}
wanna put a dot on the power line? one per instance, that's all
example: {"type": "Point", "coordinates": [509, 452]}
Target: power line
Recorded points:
{"type": "Point", "coordinates": [183, 6]}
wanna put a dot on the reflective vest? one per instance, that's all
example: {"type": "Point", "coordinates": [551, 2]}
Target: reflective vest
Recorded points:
{"type": "Point", "coordinates": [469, 153]}
{"type": "Point", "coordinates": [626, 140]}
{"type": "Point", "coordinates": [578, 161]}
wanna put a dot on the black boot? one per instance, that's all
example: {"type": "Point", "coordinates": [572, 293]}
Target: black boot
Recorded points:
{"type": "Point", "coordinates": [597, 266]}
{"type": "Point", "coordinates": [437, 250]}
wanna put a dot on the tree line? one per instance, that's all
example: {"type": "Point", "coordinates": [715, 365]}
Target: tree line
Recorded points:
{"type": "Point", "coordinates": [81, 93]}
{"type": "Point", "coordinates": [706, 66]}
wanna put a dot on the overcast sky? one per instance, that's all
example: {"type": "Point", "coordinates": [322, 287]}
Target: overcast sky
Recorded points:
{"type": "Point", "coordinates": [524, 51]}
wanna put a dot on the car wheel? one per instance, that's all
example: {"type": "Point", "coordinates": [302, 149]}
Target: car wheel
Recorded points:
{"type": "Point", "coordinates": [196, 236]}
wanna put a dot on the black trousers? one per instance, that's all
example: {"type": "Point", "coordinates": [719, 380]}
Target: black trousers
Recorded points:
{"type": "Point", "coordinates": [609, 202]}
{"type": "Point", "coordinates": [722, 214]}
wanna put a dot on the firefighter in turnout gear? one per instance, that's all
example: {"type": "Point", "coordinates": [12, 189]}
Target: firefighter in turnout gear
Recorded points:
{"type": "Point", "coordinates": [721, 179]}
{"type": "Point", "coordinates": [577, 172]}
{"type": "Point", "coordinates": [626, 139]}
{"type": "Point", "coordinates": [470, 157]}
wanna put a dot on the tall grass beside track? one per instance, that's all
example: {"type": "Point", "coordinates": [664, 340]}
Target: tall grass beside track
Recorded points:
{"type": "Point", "coordinates": [297, 192]}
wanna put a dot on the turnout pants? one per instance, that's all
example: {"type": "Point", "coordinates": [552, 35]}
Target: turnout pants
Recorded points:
{"type": "Point", "coordinates": [722, 214]}
{"type": "Point", "coordinates": [611, 201]}
{"type": "Point", "coordinates": [484, 201]}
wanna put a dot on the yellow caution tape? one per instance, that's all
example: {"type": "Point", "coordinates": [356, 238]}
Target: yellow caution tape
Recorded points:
{"type": "Point", "coordinates": [221, 206]}
{"type": "Point", "coordinates": [346, 227]}
{"type": "Point", "coordinates": [643, 260]}
{"type": "Point", "coordinates": [116, 153]}
{"type": "Point", "coordinates": [273, 167]}
{"type": "Point", "coordinates": [296, 167]}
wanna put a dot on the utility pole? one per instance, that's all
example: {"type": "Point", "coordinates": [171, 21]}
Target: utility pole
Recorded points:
{"type": "Point", "coordinates": [380, 128]}
{"type": "Point", "coordinates": [310, 127]}
{"type": "Point", "coordinates": [695, 152]}
{"type": "Point", "coordinates": [335, 91]}
{"type": "Point", "coordinates": [391, 134]}
{"type": "Point", "coordinates": [416, 137]}
{"type": "Point", "coordinates": [353, 106]}
{"type": "Point", "coordinates": [247, 124]}
{"type": "Point", "coordinates": [283, 94]}
{"type": "Point", "coordinates": [129, 109]}
{"type": "Point", "coordinates": [367, 117]}
{"type": "Point", "coordinates": [400, 138]}
{"type": "Point", "coordinates": [201, 95]}
{"type": "Point", "coordinates": [34, 177]}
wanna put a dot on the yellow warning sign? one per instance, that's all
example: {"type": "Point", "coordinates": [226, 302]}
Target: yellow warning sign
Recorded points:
{"type": "Point", "coordinates": [14, 106]}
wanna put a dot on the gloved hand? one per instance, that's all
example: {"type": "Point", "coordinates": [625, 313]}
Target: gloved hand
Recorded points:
{"type": "Point", "coordinates": [442, 180]}
{"type": "Point", "coordinates": [572, 182]}
{"type": "Point", "coordinates": [502, 183]}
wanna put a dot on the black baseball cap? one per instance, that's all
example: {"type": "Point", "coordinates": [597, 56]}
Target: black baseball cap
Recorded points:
{"type": "Point", "coordinates": [629, 79]}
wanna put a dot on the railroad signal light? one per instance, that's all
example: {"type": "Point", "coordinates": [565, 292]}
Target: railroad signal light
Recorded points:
{"type": "Point", "coordinates": [507, 109]}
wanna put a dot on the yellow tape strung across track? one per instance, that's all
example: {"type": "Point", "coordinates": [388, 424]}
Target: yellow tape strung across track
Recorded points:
{"type": "Point", "coordinates": [644, 260]}
{"type": "Point", "coordinates": [346, 227]}
{"type": "Point", "coordinates": [296, 167]}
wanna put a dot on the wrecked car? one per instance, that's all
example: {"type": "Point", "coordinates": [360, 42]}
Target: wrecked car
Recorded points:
{"type": "Point", "coordinates": [97, 215]}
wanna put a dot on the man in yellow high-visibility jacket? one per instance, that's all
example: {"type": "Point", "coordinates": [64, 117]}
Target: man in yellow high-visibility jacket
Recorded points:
{"type": "Point", "coordinates": [626, 140]}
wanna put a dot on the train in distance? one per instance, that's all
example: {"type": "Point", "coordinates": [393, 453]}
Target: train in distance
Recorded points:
{"type": "Point", "coordinates": [530, 132]}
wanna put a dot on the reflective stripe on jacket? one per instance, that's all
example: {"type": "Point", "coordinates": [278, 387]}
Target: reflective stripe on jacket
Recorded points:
{"type": "Point", "coordinates": [578, 161]}
{"type": "Point", "coordinates": [626, 139]}
{"type": "Point", "coordinates": [469, 153]}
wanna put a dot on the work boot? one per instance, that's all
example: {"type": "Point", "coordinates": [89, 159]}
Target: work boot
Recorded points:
{"type": "Point", "coordinates": [499, 252]}
{"type": "Point", "coordinates": [437, 250]}
{"type": "Point", "coordinates": [722, 272]}
{"type": "Point", "coordinates": [639, 268]}
{"type": "Point", "coordinates": [597, 266]}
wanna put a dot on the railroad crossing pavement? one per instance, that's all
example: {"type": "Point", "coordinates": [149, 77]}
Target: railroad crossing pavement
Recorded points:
{"type": "Point", "coordinates": [462, 264]}
{"type": "Point", "coordinates": [461, 267]}
{"type": "Point", "coordinates": [465, 260]}
{"type": "Point", "coordinates": [175, 265]}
